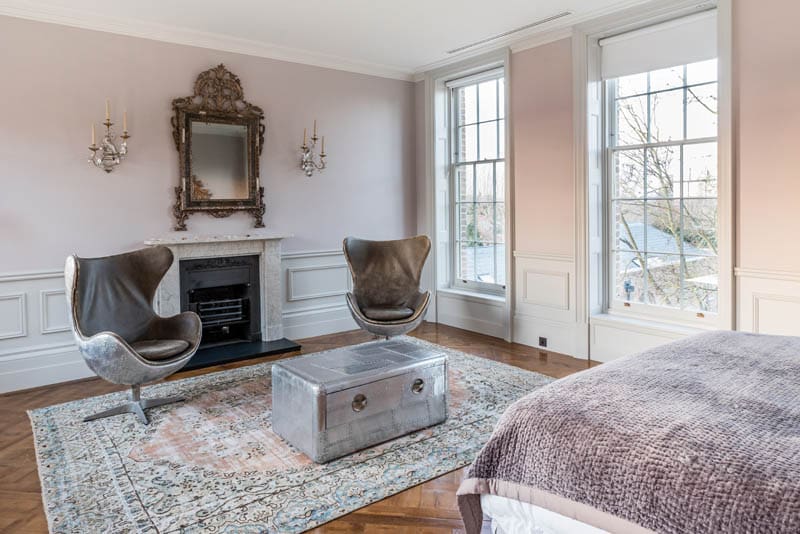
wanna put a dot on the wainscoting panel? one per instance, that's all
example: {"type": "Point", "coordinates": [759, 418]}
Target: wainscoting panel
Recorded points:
{"type": "Point", "coordinates": [477, 313]}
{"type": "Point", "coordinates": [613, 337]}
{"type": "Point", "coordinates": [314, 288]}
{"type": "Point", "coordinates": [545, 303]}
{"type": "Point", "coordinates": [768, 302]}
{"type": "Point", "coordinates": [36, 346]}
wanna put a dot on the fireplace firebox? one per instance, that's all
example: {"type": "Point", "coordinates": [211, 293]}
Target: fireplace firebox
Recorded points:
{"type": "Point", "coordinates": [225, 292]}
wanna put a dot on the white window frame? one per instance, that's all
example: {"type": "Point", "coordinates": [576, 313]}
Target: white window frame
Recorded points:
{"type": "Point", "coordinates": [590, 131]}
{"type": "Point", "coordinates": [635, 308]}
{"type": "Point", "coordinates": [452, 126]}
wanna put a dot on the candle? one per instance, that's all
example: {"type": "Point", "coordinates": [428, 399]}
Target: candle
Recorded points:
{"type": "Point", "coordinates": [323, 145]}
{"type": "Point", "coordinates": [304, 136]}
{"type": "Point", "coordinates": [93, 139]}
{"type": "Point", "coordinates": [125, 121]}
{"type": "Point", "coordinates": [315, 129]}
{"type": "Point", "coordinates": [108, 110]}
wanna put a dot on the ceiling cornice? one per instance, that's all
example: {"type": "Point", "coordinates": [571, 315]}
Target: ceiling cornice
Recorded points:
{"type": "Point", "coordinates": [184, 36]}
{"type": "Point", "coordinates": [537, 36]}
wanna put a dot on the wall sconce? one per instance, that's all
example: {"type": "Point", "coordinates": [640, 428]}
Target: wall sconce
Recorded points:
{"type": "Point", "coordinates": [110, 154]}
{"type": "Point", "coordinates": [307, 163]}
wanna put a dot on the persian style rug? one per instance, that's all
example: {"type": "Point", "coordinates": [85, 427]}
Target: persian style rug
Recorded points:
{"type": "Point", "coordinates": [212, 463]}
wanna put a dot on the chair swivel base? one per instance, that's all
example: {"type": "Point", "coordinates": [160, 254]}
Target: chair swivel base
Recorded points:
{"type": "Point", "coordinates": [136, 405]}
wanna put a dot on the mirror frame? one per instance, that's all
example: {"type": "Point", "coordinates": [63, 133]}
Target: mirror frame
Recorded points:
{"type": "Point", "coordinates": [218, 97]}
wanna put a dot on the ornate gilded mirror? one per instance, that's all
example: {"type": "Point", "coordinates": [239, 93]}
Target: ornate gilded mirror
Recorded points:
{"type": "Point", "coordinates": [219, 137]}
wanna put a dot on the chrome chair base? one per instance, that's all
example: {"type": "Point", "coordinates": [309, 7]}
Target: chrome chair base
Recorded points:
{"type": "Point", "coordinates": [137, 405]}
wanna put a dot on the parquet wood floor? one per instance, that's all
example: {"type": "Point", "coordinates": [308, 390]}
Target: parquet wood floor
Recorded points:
{"type": "Point", "coordinates": [429, 508]}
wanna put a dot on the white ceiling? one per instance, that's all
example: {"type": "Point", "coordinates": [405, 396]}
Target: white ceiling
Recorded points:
{"type": "Point", "coordinates": [390, 38]}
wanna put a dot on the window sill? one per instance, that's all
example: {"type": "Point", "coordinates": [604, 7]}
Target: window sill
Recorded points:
{"type": "Point", "coordinates": [472, 295]}
{"type": "Point", "coordinates": [652, 326]}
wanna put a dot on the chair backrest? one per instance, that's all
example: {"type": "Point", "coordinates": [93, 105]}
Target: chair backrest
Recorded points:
{"type": "Point", "coordinates": [115, 293]}
{"type": "Point", "coordinates": [386, 273]}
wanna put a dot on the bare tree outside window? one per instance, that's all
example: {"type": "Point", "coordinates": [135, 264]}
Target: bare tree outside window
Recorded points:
{"type": "Point", "coordinates": [663, 186]}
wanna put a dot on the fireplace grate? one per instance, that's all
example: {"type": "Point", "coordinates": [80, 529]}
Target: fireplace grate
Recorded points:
{"type": "Point", "coordinates": [222, 311]}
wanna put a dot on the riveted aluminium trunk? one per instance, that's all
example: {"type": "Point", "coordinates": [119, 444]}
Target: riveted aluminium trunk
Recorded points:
{"type": "Point", "coordinates": [335, 403]}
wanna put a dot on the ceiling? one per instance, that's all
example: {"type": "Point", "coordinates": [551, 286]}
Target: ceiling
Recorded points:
{"type": "Point", "coordinates": [388, 38]}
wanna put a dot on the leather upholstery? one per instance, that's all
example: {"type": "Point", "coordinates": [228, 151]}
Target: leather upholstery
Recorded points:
{"type": "Point", "coordinates": [111, 312]}
{"type": "Point", "coordinates": [159, 349]}
{"type": "Point", "coordinates": [386, 298]}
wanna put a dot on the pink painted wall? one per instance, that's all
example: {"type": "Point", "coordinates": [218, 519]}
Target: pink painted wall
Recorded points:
{"type": "Point", "coordinates": [53, 203]}
{"type": "Point", "coordinates": [541, 112]}
{"type": "Point", "coordinates": [767, 88]}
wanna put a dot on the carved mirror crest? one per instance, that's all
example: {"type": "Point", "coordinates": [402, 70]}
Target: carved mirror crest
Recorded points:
{"type": "Point", "coordinates": [219, 136]}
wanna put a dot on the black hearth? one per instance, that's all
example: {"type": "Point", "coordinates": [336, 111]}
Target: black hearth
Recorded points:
{"type": "Point", "coordinates": [225, 292]}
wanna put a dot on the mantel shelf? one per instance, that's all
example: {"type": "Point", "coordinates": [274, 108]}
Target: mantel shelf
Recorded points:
{"type": "Point", "coordinates": [183, 239]}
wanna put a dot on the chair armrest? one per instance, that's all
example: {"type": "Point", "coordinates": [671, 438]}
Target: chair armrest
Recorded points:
{"type": "Point", "coordinates": [186, 326]}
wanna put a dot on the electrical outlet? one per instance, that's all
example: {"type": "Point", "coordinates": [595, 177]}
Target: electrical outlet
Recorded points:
{"type": "Point", "coordinates": [542, 341]}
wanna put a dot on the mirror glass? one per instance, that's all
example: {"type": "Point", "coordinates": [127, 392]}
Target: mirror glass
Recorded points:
{"type": "Point", "coordinates": [219, 161]}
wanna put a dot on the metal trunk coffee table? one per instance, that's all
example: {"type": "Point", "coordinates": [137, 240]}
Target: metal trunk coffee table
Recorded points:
{"type": "Point", "coordinates": [332, 404]}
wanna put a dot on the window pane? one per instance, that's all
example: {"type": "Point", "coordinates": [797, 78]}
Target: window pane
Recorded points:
{"type": "Point", "coordinates": [466, 261]}
{"type": "Point", "coordinates": [628, 276]}
{"type": "Point", "coordinates": [468, 143]}
{"type": "Point", "coordinates": [669, 78]}
{"type": "Point", "coordinates": [468, 103]}
{"type": "Point", "coordinates": [631, 121]}
{"type": "Point", "coordinates": [701, 111]}
{"type": "Point", "coordinates": [501, 97]}
{"type": "Point", "coordinates": [484, 184]}
{"type": "Point", "coordinates": [666, 116]}
{"type": "Point", "coordinates": [664, 280]}
{"type": "Point", "coordinates": [629, 174]}
{"type": "Point", "coordinates": [500, 261]}
{"type": "Point", "coordinates": [487, 100]}
{"type": "Point", "coordinates": [629, 225]}
{"type": "Point", "coordinates": [700, 226]}
{"type": "Point", "coordinates": [664, 172]}
{"type": "Point", "coordinates": [701, 283]}
{"type": "Point", "coordinates": [501, 223]}
{"type": "Point", "coordinates": [664, 226]}
{"type": "Point", "coordinates": [500, 181]}
{"type": "Point", "coordinates": [484, 263]}
{"type": "Point", "coordinates": [466, 223]}
{"type": "Point", "coordinates": [635, 84]}
{"type": "Point", "coordinates": [700, 170]}
{"type": "Point", "coordinates": [701, 72]}
{"type": "Point", "coordinates": [488, 140]}
{"type": "Point", "coordinates": [484, 221]}
{"type": "Point", "coordinates": [464, 176]}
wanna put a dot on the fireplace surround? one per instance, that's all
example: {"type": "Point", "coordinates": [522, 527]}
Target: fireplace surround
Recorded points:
{"type": "Point", "coordinates": [218, 268]}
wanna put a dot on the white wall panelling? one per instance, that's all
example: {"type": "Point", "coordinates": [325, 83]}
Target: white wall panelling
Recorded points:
{"type": "Point", "coordinates": [314, 285]}
{"type": "Point", "coordinates": [479, 313]}
{"type": "Point", "coordinates": [769, 301]}
{"type": "Point", "coordinates": [41, 351]}
{"type": "Point", "coordinates": [614, 337]}
{"type": "Point", "coordinates": [13, 316]}
{"type": "Point", "coordinates": [546, 302]}
{"type": "Point", "coordinates": [36, 345]}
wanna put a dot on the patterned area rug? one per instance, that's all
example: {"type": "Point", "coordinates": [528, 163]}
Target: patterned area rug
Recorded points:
{"type": "Point", "coordinates": [213, 464]}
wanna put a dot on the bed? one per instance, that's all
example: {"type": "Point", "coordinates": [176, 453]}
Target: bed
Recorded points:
{"type": "Point", "coordinates": [701, 435]}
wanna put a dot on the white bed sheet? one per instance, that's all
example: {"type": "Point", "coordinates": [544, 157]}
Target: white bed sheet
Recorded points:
{"type": "Point", "coordinates": [510, 516]}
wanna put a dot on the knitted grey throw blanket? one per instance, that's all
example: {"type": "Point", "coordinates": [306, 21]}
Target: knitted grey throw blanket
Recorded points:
{"type": "Point", "coordinates": [701, 435]}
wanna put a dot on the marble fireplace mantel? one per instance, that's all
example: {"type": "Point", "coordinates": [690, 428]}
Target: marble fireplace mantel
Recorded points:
{"type": "Point", "coordinates": [267, 245]}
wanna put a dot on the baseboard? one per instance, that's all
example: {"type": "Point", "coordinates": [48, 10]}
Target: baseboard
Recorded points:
{"type": "Point", "coordinates": [562, 337]}
{"type": "Point", "coordinates": [40, 367]}
{"type": "Point", "coordinates": [317, 322]}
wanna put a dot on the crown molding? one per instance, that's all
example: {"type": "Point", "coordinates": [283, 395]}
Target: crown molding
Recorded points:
{"type": "Point", "coordinates": [183, 36]}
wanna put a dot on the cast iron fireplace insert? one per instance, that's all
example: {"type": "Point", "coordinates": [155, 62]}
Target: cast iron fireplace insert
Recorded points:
{"type": "Point", "coordinates": [226, 293]}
